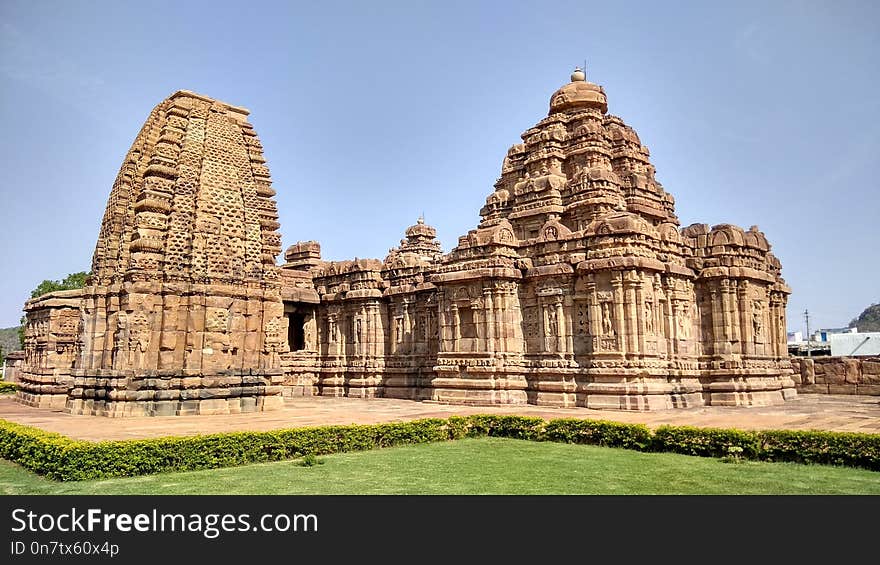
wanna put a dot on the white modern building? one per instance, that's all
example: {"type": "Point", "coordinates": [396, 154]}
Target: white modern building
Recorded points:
{"type": "Point", "coordinates": [855, 344]}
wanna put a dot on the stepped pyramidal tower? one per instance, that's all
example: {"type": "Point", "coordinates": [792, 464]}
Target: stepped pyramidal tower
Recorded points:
{"type": "Point", "coordinates": [577, 288]}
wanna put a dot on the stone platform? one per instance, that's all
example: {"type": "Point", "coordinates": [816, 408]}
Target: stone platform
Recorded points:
{"type": "Point", "coordinates": [808, 411]}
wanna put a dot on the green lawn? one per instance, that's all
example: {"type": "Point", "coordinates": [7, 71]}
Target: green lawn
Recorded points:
{"type": "Point", "coordinates": [479, 466]}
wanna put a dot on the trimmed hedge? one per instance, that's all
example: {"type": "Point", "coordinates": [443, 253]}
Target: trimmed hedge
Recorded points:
{"type": "Point", "coordinates": [599, 432]}
{"type": "Point", "coordinates": [705, 442]}
{"type": "Point", "coordinates": [825, 448]}
{"type": "Point", "coordinates": [59, 457]}
{"type": "Point", "coordinates": [514, 427]}
{"type": "Point", "coordinates": [7, 388]}
{"type": "Point", "coordinates": [65, 459]}
{"type": "Point", "coordinates": [828, 448]}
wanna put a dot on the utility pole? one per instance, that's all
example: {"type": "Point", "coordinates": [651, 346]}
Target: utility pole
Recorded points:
{"type": "Point", "coordinates": [809, 342]}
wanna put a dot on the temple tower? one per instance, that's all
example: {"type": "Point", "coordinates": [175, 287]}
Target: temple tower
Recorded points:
{"type": "Point", "coordinates": [604, 301]}
{"type": "Point", "coordinates": [183, 312]}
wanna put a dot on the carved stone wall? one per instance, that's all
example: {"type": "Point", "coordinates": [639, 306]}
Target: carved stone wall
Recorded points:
{"type": "Point", "coordinates": [50, 347]}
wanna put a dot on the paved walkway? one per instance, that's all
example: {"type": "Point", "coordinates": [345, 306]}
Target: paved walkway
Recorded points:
{"type": "Point", "coordinates": [807, 411]}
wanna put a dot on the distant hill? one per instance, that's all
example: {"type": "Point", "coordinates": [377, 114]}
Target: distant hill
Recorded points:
{"type": "Point", "coordinates": [868, 320]}
{"type": "Point", "coordinates": [9, 340]}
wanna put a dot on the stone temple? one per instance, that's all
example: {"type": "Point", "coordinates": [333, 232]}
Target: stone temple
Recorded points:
{"type": "Point", "coordinates": [577, 288]}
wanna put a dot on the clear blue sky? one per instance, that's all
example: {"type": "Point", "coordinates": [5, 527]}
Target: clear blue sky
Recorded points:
{"type": "Point", "coordinates": [371, 113]}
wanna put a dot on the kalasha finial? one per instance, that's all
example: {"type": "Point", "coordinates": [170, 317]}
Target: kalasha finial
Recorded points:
{"type": "Point", "coordinates": [421, 220]}
{"type": "Point", "coordinates": [578, 75]}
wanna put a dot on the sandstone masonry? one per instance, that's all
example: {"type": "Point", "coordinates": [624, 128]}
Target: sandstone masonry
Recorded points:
{"type": "Point", "coordinates": [837, 375]}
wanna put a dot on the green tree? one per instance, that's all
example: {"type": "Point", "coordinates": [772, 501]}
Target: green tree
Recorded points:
{"type": "Point", "coordinates": [70, 282]}
{"type": "Point", "coordinates": [868, 320]}
{"type": "Point", "coordinates": [75, 280]}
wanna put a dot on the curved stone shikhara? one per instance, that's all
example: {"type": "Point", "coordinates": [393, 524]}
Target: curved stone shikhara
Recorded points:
{"type": "Point", "coordinates": [577, 288]}
{"type": "Point", "coordinates": [183, 311]}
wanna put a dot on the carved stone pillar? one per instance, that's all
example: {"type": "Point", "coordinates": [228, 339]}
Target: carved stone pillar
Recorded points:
{"type": "Point", "coordinates": [778, 347]}
{"type": "Point", "coordinates": [677, 335]}
{"type": "Point", "coordinates": [442, 324]}
{"type": "Point", "coordinates": [489, 306]}
{"type": "Point", "coordinates": [560, 327]}
{"type": "Point", "coordinates": [502, 321]}
{"type": "Point", "coordinates": [747, 343]}
{"type": "Point", "coordinates": [514, 342]}
{"type": "Point", "coordinates": [641, 322]}
{"type": "Point", "coordinates": [619, 322]}
{"type": "Point", "coordinates": [718, 330]}
{"type": "Point", "coordinates": [545, 325]}
{"type": "Point", "coordinates": [782, 337]}
{"type": "Point", "coordinates": [595, 321]}
{"type": "Point", "coordinates": [659, 325]}
{"type": "Point", "coordinates": [632, 316]}
{"type": "Point", "coordinates": [725, 315]}
{"type": "Point", "coordinates": [376, 333]}
{"type": "Point", "coordinates": [332, 341]}
{"type": "Point", "coordinates": [737, 335]}
{"type": "Point", "coordinates": [361, 331]}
